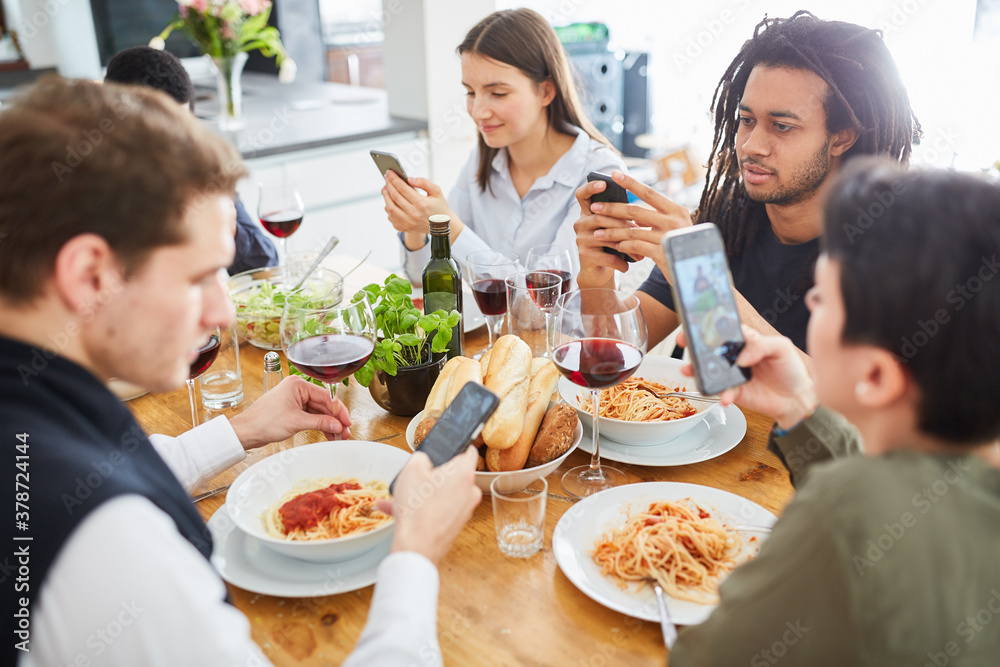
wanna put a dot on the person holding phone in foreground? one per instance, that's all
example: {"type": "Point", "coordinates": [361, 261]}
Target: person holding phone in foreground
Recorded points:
{"type": "Point", "coordinates": [536, 146]}
{"type": "Point", "coordinates": [801, 99]}
{"type": "Point", "coordinates": [890, 558]}
{"type": "Point", "coordinates": [113, 270]}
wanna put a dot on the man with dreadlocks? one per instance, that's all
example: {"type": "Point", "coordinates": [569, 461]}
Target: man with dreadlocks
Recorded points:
{"type": "Point", "coordinates": [801, 98]}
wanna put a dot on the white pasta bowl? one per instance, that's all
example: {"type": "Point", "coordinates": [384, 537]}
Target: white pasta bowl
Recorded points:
{"type": "Point", "coordinates": [516, 478]}
{"type": "Point", "coordinates": [666, 371]}
{"type": "Point", "coordinates": [266, 482]}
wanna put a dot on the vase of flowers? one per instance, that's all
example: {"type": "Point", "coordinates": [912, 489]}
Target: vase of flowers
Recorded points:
{"type": "Point", "coordinates": [225, 30]}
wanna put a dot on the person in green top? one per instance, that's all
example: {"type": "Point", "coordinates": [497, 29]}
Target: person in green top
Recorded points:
{"type": "Point", "coordinates": [891, 558]}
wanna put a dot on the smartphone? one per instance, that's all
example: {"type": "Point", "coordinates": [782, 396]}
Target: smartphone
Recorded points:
{"type": "Point", "coordinates": [704, 298]}
{"type": "Point", "coordinates": [458, 425]}
{"type": "Point", "coordinates": [388, 162]}
{"type": "Point", "coordinates": [615, 194]}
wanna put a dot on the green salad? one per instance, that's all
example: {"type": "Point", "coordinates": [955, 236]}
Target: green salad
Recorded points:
{"type": "Point", "coordinates": [259, 308]}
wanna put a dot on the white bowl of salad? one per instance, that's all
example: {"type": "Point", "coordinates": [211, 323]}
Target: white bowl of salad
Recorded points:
{"type": "Point", "coordinates": [259, 297]}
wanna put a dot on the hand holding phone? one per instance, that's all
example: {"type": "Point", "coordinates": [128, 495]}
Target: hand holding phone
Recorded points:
{"type": "Point", "coordinates": [615, 194]}
{"type": "Point", "coordinates": [388, 162]}
{"type": "Point", "coordinates": [458, 425]}
{"type": "Point", "coordinates": [704, 298]}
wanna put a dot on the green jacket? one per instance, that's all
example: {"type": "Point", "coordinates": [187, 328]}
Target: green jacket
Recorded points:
{"type": "Point", "coordinates": [883, 561]}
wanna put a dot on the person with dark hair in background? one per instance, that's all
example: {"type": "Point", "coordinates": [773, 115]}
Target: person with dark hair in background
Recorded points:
{"type": "Point", "coordinates": [890, 558]}
{"type": "Point", "coordinates": [801, 98]}
{"type": "Point", "coordinates": [144, 66]}
{"type": "Point", "coordinates": [114, 270]}
{"type": "Point", "coordinates": [536, 146]}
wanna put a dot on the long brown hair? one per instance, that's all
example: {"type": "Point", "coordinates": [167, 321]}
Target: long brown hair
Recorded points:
{"type": "Point", "coordinates": [523, 39]}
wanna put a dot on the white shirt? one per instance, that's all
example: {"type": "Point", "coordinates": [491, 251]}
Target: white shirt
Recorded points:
{"type": "Point", "coordinates": [505, 221]}
{"type": "Point", "coordinates": [127, 589]}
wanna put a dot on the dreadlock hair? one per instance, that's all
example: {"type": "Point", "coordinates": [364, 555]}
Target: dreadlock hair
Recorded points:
{"type": "Point", "coordinates": [865, 93]}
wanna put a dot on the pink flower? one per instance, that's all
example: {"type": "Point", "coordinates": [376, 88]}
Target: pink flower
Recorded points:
{"type": "Point", "coordinates": [183, 11]}
{"type": "Point", "coordinates": [227, 31]}
{"type": "Point", "coordinates": [254, 7]}
{"type": "Point", "coordinates": [199, 5]}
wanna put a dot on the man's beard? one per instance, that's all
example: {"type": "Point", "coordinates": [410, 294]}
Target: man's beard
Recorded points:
{"type": "Point", "coordinates": [804, 183]}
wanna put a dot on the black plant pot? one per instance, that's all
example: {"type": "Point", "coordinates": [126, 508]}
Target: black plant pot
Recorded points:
{"type": "Point", "coordinates": [405, 393]}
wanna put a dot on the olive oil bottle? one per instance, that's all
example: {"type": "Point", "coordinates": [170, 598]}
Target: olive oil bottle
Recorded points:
{"type": "Point", "coordinates": [442, 280]}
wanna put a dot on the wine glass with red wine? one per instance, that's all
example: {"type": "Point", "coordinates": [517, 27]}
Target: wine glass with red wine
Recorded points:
{"type": "Point", "coordinates": [487, 270]}
{"type": "Point", "coordinates": [207, 353]}
{"type": "Point", "coordinates": [552, 258]}
{"type": "Point", "coordinates": [598, 341]}
{"type": "Point", "coordinates": [327, 340]}
{"type": "Point", "coordinates": [280, 211]}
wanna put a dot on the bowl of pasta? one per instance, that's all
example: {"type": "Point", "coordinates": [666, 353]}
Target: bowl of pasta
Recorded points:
{"type": "Point", "coordinates": [317, 502]}
{"type": "Point", "coordinates": [632, 416]}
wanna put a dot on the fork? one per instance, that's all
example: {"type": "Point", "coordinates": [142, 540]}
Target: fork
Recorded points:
{"type": "Point", "coordinates": [683, 394]}
{"type": "Point", "coordinates": [666, 624]}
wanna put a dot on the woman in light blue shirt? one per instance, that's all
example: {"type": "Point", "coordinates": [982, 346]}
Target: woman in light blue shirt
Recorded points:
{"type": "Point", "coordinates": [536, 146]}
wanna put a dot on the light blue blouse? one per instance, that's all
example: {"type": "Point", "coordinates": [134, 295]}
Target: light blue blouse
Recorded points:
{"type": "Point", "coordinates": [504, 221]}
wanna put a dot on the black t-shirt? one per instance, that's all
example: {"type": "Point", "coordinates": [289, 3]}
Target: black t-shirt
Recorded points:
{"type": "Point", "coordinates": [769, 274]}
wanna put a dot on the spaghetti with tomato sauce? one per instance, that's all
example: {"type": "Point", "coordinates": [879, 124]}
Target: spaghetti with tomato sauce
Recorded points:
{"type": "Point", "coordinates": [322, 509]}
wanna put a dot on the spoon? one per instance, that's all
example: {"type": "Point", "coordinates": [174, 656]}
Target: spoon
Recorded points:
{"type": "Point", "coordinates": [683, 394]}
{"type": "Point", "coordinates": [327, 249]}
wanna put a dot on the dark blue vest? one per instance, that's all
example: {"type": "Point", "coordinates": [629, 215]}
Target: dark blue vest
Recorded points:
{"type": "Point", "coordinates": [81, 448]}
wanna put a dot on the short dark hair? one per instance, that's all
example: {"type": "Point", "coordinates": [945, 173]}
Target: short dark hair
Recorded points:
{"type": "Point", "coordinates": [142, 65]}
{"type": "Point", "coordinates": [918, 260]}
{"type": "Point", "coordinates": [122, 162]}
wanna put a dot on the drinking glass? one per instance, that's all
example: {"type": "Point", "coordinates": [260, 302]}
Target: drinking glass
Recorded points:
{"type": "Point", "coordinates": [327, 340]}
{"type": "Point", "coordinates": [280, 211]}
{"type": "Point", "coordinates": [487, 270]}
{"type": "Point", "coordinates": [552, 258]}
{"type": "Point", "coordinates": [598, 340]}
{"type": "Point", "coordinates": [519, 515]}
{"type": "Point", "coordinates": [206, 355]}
{"type": "Point", "coordinates": [531, 295]}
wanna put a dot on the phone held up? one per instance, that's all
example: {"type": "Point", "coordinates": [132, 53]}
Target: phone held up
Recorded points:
{"type": "Point", "coordinates": [458, 425]}
{"type": "Point", "coordinates": [614, 194]}
{"type": "Point", "coordinates": [703, 296]}
{"type": "Point", "coordinates": [388, 162]}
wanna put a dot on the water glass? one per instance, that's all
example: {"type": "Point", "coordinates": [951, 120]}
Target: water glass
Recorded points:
{"type": "Point", "coordinates": [519, 515]}
{"type": "Point", "coordinates": [222, 384]}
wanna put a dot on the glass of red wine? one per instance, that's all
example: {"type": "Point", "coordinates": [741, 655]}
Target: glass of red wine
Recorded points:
{"type": "Point", "coordinates": [280, 211]}
{"type": "Point", "coordinates": [487, 270]}
{"type": "Point", "coordinates": [531, 296]}
{"type": "Point", "coordinates": [598, 340]}
{"type": "Point", "coordinates": [207, 353]}
{"type": "Point", "coordinates": [552, 258]}
{"type": "Point", "coordinates": [326, 339]}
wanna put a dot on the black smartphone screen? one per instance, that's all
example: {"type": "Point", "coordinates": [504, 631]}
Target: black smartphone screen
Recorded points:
{"type": "Point", "coordinates": [614, 194]}
{"type": "Point", "coordinates": [458, 425]}
{"type": "Point", "coordinates": [704, 297]}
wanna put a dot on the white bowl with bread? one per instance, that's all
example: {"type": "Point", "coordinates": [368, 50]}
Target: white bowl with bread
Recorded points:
{"type": "Point", "coordinates": [527, 437]}
{"type": "Point", "coordinates": [653, 370]}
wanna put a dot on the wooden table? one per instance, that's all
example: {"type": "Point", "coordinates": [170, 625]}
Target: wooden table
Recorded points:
{"type": "Point", "coordinates": [493, 610]}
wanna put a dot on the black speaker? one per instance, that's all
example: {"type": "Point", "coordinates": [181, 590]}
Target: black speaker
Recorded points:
{"type": "Point", "coordinates": [635, 105]}
{"type": "Point", "coordinates": [600, 80]}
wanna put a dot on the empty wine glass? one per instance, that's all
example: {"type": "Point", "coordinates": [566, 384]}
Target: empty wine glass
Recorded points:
{"type": "Point", "coordinates": [487, 270]}
{"type": "Point", "coordinates": [206, 355]}
{"type": "Point", "coordinates": [280, 211]}
{"type": "Point", "coordinates": [552, 258]}
{"type": "Point", "coordinates": [598, 340]}
{"type": "Point", "coordinates": [325, 339]}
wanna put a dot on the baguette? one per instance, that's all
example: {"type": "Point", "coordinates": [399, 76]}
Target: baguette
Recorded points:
{"type": "Point", "coordinates": [437, 398]}
{"type": "Point", "coordinates": [555, 436]}
{"type": "Point", "coordinates": [544, 376]}
{"type": "Point", "coordinates": [467, 370]}
{"type": "Point", "coordinates": [507, 376]}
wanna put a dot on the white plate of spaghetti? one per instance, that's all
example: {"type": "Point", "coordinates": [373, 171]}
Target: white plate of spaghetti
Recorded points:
{"type": "Point", "coordinates": [317, 502]}
{"type": "Point", "coordinates": [596, 546]}
{"type": "Point", "coordinates": [634, 417]}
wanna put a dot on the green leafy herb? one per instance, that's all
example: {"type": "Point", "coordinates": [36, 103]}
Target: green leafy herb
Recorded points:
{"type": "Point", "coordinates": [404, 332]}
